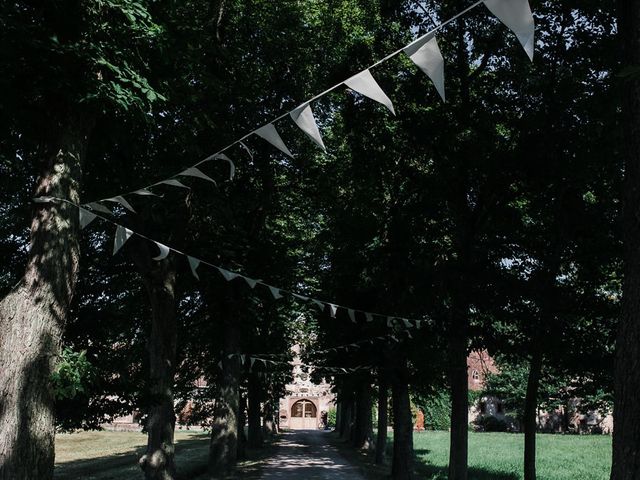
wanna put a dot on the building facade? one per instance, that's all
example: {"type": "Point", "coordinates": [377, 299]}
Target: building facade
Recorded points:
{"type": "Point", "coordinates": [306, 404]}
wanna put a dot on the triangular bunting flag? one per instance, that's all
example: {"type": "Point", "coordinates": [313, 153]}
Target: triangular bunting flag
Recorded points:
{"type": "Point", "coordinates": [407, 323]}
{"type": "Point", "coordinates": [301, 297]}
{"type": "Point", "coordinates": [270, 134]}
{"type": "Point", "coordinates": [99, 208]}
{"type": "Point", "coordinates": [164, 251]}
{"type": "Point", "coordinates": [194, 263]}
{"type": "Point", "coordinates": [516, 14]}
{"type": "Point", "coordinates": [389, 321]}
{"type": "Point", "coordinates": [418, 324]}
{"type": "Point", "coordinates": [425, 53]}
{"type": "Point", "coordinates": [303, 117]}
{"type": "Point", "coordinates": [253, 360]}
{"type": "Point", "coordinates": [119, 199]}
{"type": "Point", "coordinates": [352, 315]}
{"type": "Point", "coordinates": [196, 172]}
{"type": "Point", "coordinates": [332, 310]}
{"type": "Point", "coordinates": [145, 193]}
{"type": "Point", "coordinates": [275, 292]}
{"type": "Point", "coordinates": [366, 85]}
{"type": "Point", "coordinates": [369, 316]}
{"type": "Point", "coordinates": [122, 235]}
{"type": "Point", "coordinates": [228, 276]}
{"type": "Point", "coordinates": [86, 217]}
{"type": "Point", "coordinates": [172, 182]}
{"type": "Point", "coordinates": [232, 166]}
{"type": "Point", "coordinates": [251, 282]}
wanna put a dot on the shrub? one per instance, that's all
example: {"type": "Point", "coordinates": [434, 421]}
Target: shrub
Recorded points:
{"type": "Point", "coordinates": [489, 423]}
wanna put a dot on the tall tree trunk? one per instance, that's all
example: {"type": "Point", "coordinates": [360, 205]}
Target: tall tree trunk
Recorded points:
{"type": "Point", "coordinates": [223, 449]}
{"type": "Point", "coordinates": [34, 314]}
{"type": "Point", "coordinates": [381, 437]}
{"type": "Point", "coordinates": [255, 396]}
{"type": "Point", "coordinates": [530, 423]}
{"type": "Point", "coordinates": [362, 434]}
{"type": "Point", "coordinates": [626, 410]}
{"type": "Point", "coordinates": [242, 420]}
{"type": "Point", "coordinates": [346, 416]}
{"type": "Point", "coordinates": [458, 449]}
{"type": "Point", "coordinates": [268, 420]}
{"type": "Point", "coordinates": [158, 462]}
{"type": "Point", "coordinates": [402, 466]}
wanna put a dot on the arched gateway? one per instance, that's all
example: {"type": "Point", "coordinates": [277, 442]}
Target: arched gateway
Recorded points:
{"type": "Point", "coordinates": [306, 402]}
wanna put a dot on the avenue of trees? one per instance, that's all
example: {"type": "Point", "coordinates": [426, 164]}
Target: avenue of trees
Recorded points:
{"type": "Point", "coordinates": [507, 219]}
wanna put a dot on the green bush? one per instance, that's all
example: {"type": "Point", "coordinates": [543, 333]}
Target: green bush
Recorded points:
{"type": "Point", "coordinates": [437, 411]}
{"type": "Point", "coordinates": [331, 418]}
{"type": "Point", "coordinates": [489, 423]}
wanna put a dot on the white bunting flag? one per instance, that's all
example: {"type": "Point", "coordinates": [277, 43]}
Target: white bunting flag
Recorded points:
{"type": "Point", "coordinates": [301, 297]}
{"type": "Point", "coordinates": [303, 117]}
{"type": "Point", "coordinates": [516, 14]}
{"type": "Point", "coordinates": [196, 172]}
{"type": "Point", "coordinates": [99, 208]}
{"type": "Point", "coordinates": [164, 251]}
{"type": "Point", "coordinates": [194, 263]}
{"type": "Point", "coordinates": [418, 323]}
{"type": "Point", "coordinates": [270, 134]}
{"type": "Point", "coordinates": [86, 217]}
{"type": "Point", "coordinates": [369, 316]}
{"type": "Point", "coordinates": [232, 166]}
{"type": "Point", "coordinates": [407, 323]}
{"type": "Point", "coordinates": [253, 360]}
{"type": "Point", "coordinates": [145, 193]}
{"type": "Point", "coordinates": [425, 53]}
{"type": "Point", "coordinates": [251, 282]}
{"type": "Point", "coordinates": [228, 276]}
{"type": "Point", "coordinates": [119, 199]}
{"type": "Point", "coordinates": [332, 310]}
{"type": "Point", "coordinates": [172, 182]}
{"type": "Point", "coordinates": [275, 292]}
{"type": "Point", "coordinates": [389, 321]}
{"type": "Point", "coordinates": [122, 235]}
{"type": "Point", "coordinates": [366, 85]}
{"type": "Point", "coordinates": [352, 314]}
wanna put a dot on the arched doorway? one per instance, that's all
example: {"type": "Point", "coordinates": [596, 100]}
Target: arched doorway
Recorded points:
{"type": "Point", "coordinates": [304, 416]}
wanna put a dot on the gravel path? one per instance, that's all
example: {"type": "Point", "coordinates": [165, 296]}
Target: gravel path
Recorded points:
{"type": "Point", "coordinates": [308, 455]}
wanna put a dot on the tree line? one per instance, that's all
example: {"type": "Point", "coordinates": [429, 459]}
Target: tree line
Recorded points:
{"type": "Point", "coordinates": [505, 218]}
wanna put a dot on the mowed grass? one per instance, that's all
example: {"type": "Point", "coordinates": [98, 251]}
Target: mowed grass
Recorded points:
{"type": "Point", "coordinates": [498, 456]}
{"type": "Point", "coordinates": [115, 455]}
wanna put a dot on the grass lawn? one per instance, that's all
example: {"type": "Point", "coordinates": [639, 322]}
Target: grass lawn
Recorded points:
{"type": "Point", "coordinates": [114, 455]}
{"type": "Point", "coordinates": [498, 456]}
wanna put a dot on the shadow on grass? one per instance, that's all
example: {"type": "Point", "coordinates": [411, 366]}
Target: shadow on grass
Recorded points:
{"type": "Point", "coordinates": [191, 459]}
{"type": "Point", "coordinates": [432, 472]}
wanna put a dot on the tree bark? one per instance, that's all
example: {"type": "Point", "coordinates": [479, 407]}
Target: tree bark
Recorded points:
{"type": "Point", "coordinates": [626, 410]}
{"type": "Point", "coordinates": [242, 420]}
{"type": "Point", "coordinates": [346, 416]}
{"type": "Point", "coordinates": [530, 423]}
{"type": "Point", "coordinates": [381, 437]}
{"type": "Point", "coordinates": [458, 449]}
{"type": "Point", "coordinates": [158, 462]}
{"type": "Point", "coordinates": [402, 465]}
{"type": "Point", "coordinates": [268, 421]}
{"type": "Point", "coordinates": [362, 434]}
{"type": "Point", "coordinates": [223, 449]}
{"type": "Point", "coordinates": [255, 396]}
{"type": "Point", "coordinates": [34, 314]}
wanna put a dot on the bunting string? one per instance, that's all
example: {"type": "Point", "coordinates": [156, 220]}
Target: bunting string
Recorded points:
{"type": "Point", "coordinates": [424, 52]}
{"type": "Point", "coordinates": [123, 234]}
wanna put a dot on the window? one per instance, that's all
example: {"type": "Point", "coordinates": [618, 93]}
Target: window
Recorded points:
{"type": "Point", "coordinates": [475, 375]}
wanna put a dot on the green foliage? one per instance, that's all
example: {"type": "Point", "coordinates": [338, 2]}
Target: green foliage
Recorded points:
{"type": "Point", "coordinates": [73, 374]}
{"type": "Point", "coordinates": [437, 410]}
{"type": "Point", "coordinates": [331, 417]}
{"type": "Point", "coordinates": [489, 423]}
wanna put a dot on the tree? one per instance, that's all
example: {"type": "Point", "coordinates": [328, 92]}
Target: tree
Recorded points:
{"type": "Point", "coordinates": [67, 62]}
{"type": "Point", "coordinates": [626, 436]}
